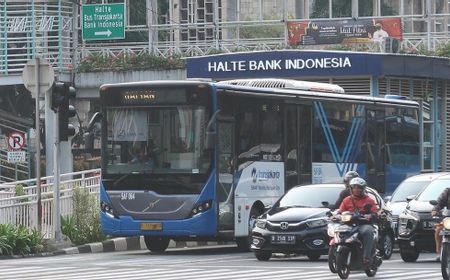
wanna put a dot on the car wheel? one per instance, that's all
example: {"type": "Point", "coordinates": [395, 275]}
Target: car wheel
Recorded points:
{"type": "Point", "coordinates": [263, 255]}
{"type": "Point", "coordinates": [313, 256]}
{"type": "Point", "coordinates": [387, 246]}
{"type": "Point", "coordinates": [156, 244]}
{"type": "Point", "coordinates": [243, 243]}
{"type": "Point", "coordinates": [408, 254]}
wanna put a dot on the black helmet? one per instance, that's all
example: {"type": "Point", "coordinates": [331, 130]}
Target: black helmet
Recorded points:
{"type": "Point", "coordinates": [350, 175]}
{"type": "Point", "coordinates": [360, 182]}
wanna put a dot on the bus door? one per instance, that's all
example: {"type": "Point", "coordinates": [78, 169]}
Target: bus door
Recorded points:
{"type": "Point", "coordinates": [298, 145]}
{"type": "Point", "coordinates": [375, 159]}
{"type": "Point", "coordinates": [224, 190]}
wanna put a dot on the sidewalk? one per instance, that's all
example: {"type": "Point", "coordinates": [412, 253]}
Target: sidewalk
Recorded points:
{"type": "Point", "coordinates": [130, 243]}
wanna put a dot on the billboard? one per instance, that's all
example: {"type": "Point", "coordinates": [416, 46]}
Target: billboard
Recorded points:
{"type": "Point", "coordinates": [317, 32]}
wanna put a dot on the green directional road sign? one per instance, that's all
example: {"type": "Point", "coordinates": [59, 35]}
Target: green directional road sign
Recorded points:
{"type": "Point", "coordinates": [103, 21]}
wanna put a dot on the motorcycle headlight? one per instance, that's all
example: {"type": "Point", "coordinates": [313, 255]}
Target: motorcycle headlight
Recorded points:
{"type": "Point", "coordinates": [261, 223]}
{"type": "Point", "coordinates": [346, 217]}
{"type": "Point", "coordinates": [446, 223]}
{"type": "Point", "coordinates": [316, 223]}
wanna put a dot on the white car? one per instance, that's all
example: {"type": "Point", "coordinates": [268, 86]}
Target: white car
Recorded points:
{"type": "Point", "coordinates": [406, 191]}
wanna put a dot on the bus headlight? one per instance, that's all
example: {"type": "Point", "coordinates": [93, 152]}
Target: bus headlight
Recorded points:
{"type": "Point", "coordinates": [106, 208]}
{"type": "Point", "coordinates": [202, 207]}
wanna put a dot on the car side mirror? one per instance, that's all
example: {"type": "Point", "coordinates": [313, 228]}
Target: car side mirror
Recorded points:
{"type": "Point", "coordinates": [433, 202]}
{"type": "Point", "coordinates": [410, 197]}
{"type": "Point", "coordinates": [326, 204]}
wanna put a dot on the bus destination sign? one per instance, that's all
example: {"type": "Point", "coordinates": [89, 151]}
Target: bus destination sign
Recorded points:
{"type": "Point", "coordinates": [138, 96]}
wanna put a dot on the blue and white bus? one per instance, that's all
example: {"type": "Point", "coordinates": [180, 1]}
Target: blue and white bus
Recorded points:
{"type": "Point", "coordinates": [191, 160]}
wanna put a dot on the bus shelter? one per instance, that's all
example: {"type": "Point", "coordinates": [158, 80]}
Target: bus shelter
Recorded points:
{"type": "Point", "coordinates": [421, 78]}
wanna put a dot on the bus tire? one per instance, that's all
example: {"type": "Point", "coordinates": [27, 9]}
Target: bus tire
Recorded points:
{"type": "Point", "coordinates": [243, 243]}
{"type": "Point", "coordinates": [156, 244]}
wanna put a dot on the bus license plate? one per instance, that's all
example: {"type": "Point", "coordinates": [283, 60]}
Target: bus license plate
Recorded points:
{"type": "Point", "coordinates": [283, 239]}
{"type": "Point", "coordinates": [151, 226]}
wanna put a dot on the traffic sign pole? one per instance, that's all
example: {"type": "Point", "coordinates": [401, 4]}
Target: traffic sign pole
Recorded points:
{"type": "Point", "coordinates": [38, 76]}
{"type": "Point", "coordinates": [38, 144]}
{"type": "Point", "coordinates": [56, 182]}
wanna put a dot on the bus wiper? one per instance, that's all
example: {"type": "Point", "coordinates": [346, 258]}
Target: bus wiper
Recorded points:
{"type": "Point", "coordinates": [124, 176]}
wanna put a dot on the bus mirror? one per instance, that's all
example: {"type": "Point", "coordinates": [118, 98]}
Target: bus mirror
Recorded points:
{"type": "Point", "coordinates": [211, 131]}
{"type": "Point", "coordinates": [95, 118]}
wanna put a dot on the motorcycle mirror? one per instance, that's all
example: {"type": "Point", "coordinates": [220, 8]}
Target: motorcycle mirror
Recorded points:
{"type": "Point", "coordinates": [433, 202]}
{"type": "Point", "coordinates": [410, 197]}
{"type": "Point", "coordinates": [325, 203]}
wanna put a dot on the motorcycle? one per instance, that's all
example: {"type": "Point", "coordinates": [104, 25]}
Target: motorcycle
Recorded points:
{"type": "Point", "coordinates": [444, 214]}
{"type": "Point", "coordinates": [347, 246]}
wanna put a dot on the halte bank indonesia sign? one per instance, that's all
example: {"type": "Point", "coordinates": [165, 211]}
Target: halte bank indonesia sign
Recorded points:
{"type": "Point", "coordinates": [281, 64]}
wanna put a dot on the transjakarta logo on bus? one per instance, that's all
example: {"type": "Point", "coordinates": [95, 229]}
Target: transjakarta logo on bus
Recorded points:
{"type": "Point", "coordinates": [264, 175]}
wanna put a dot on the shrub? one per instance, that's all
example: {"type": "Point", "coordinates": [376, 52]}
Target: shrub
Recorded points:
{"type": "Point", "coordinates": [19, 240]}
{"type": "Point", "coordinates": [126, 62]}
{"type": "Point", "coordinates": [84, 225]}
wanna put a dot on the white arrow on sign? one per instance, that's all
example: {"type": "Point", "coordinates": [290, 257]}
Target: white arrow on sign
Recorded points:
{"type": "Point", "coordinates": [107, 33]}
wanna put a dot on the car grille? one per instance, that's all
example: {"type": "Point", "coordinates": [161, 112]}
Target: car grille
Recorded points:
{"type": "Point", "coordinates": [395, 219]}
{"type": "Point", "coordinates": [281, 227]}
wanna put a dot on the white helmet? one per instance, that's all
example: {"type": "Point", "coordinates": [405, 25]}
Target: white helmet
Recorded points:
{"type": "Point", "coordinates": [358, 182]}
{"type": "Point", "coordinates": [349, 176]}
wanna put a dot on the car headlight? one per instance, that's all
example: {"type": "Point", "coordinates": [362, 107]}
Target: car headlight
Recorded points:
{"type": "Point", "coordinates": [316, 223]}
{"type": "Point", "coordinates": [411, 214]}
{"type": "Point", "coordinates": [261, 223]}
{"type": "Point", "coordinates": [446, 223]}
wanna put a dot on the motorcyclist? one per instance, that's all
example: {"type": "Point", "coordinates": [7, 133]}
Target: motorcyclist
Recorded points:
{"type": "Point", "coordinates": [355, 203]}
{"type": "Point", "coordinates": [346, 192]}
{"type": "Point", "coordinates": [442, 201]}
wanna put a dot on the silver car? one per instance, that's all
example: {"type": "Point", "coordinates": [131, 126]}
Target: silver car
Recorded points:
{"type": "Point", "coordinates": [406, 191]}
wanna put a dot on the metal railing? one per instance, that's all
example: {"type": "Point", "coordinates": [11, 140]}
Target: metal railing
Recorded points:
{"type": "Point", "coordinates": [21, 207]}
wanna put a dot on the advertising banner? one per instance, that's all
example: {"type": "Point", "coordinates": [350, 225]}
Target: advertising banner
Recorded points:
{"type": "Point", "coordinates": [315, 32]}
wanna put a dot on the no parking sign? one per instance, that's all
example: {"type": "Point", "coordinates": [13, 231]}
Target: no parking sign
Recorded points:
{"type": "Point", "coordinates": [16, 141]}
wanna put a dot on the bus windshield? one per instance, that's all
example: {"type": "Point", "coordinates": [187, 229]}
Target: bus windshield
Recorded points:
{"type": "Point", "coordinates": [164, 139]}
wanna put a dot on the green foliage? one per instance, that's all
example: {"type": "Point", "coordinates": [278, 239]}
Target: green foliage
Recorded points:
{"type": "Point", "coordinates": [19, 191]}
{"type": "Point", "coordinates": [128, 62]}
{"type": "Point", "coordinates": [84, 225]}
{"type": "Point", "coordinates": [443, 50]}
{"type": "Point", "coordinates": [264, 31]}
{"type": "Point", "coordinates": [19, 240]}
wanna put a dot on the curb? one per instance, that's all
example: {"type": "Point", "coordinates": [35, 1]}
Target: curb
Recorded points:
{"type": "Point", "coordinates": [130, 243]}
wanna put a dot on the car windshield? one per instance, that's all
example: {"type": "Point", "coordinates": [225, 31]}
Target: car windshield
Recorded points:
{"type": "Point", "coordinates": [406, 189]}
{"type": "Point", "coordinates": [307, 196]}
{"type": "Point", "coordinates": [433, 190]}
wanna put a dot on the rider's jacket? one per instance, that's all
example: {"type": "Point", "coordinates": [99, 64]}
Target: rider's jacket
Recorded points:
{"type": "Point", "coordinates": [352, 203]}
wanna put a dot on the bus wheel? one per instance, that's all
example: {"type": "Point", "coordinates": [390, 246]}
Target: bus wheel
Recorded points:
{"type": "Point", "coordinates": [244, 243]}
{"type": "Point", "coordinates": [156, 244]}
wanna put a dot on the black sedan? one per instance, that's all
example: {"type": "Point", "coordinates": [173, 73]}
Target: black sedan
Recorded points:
{"type": "Point", "coordinates": [297, 223]}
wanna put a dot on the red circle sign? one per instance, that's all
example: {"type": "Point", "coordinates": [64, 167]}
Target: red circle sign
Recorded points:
{"type": "Point", "coordinates": [16, 140]}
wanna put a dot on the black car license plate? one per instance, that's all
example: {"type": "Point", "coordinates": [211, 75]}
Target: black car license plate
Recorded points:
{"type": "Point", "coordinates": [283, 239]}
